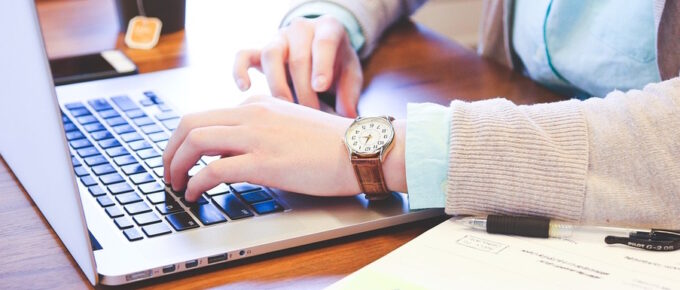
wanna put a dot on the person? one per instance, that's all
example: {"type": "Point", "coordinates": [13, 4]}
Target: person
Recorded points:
{"type": "Point", "coordinates": [609, 156]}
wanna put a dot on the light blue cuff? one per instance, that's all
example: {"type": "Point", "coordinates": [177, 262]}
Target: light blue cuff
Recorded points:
{"type": "Point", "coordinates": [427, 154]}
{"type": "Point", "coordinates": [344, 16]}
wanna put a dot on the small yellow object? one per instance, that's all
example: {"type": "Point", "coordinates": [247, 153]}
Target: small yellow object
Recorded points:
{"type": "Point", "coordinates": [143, 32]}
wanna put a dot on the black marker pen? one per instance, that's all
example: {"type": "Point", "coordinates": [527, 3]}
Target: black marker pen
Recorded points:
{"type": "Point", "coordinates": [537, 227]}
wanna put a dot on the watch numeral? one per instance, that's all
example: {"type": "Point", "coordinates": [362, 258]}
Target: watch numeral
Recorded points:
{"type": "Point", "coordinates": [384, 130]}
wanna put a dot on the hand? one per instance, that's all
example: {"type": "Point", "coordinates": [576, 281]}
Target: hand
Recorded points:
{"type": "Point", "coordinates": [317, 55]}
{"type": "Point", "coordinates": [273, 143]}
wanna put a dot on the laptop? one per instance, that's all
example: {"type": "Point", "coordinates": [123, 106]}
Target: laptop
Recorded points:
{"type": "Point", "coordinates": [89, 156]}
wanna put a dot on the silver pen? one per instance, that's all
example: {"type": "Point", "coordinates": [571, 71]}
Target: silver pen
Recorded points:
{"type": "Point", "coordinates": [537, 227]}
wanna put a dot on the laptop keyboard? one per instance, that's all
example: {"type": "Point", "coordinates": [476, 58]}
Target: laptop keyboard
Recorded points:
{"type": "Point", "coordinates": [116, 149]}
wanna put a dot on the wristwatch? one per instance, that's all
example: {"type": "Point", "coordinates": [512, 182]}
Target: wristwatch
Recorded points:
{"type": "Point", "coordinates": [368, 141]}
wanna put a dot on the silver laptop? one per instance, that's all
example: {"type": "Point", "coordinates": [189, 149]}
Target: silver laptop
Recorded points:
{"type": "Point", "coordinates": [89, 156]}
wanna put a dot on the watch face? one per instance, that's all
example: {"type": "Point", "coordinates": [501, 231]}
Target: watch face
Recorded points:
{"type": "Point", "coordinates": [368, 136]}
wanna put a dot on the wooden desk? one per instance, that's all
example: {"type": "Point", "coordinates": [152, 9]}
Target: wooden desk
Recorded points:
{"type": "Point", "coordinates": [412, 65]}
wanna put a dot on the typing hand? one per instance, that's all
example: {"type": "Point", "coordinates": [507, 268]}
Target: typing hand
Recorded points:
{"type": "Point", "coordinates": [264, 141]}
{"type": "Point", "coordinates": [317, 56]}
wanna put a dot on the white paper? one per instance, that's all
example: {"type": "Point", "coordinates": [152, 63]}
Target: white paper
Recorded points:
{"type": "Point", "coordinates": [452, 256]}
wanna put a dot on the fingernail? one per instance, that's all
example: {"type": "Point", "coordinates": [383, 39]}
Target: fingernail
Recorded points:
{"type": "Point", "coordinates": [319, 83]}
{"type": "Point", "coordinates": [241, 84]}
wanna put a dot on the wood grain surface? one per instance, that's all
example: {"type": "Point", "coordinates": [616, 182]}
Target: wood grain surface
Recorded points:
{"type": "Point", "coordinates": [412, 64]}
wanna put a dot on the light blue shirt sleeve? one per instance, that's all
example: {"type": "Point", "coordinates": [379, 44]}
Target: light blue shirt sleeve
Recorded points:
{"type": "Point", "coordinates": [344, 16]}
{"type": "Point", "coordinates": [427, 154]}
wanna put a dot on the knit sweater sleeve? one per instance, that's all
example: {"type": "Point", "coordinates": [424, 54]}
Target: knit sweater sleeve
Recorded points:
{"type": "Point", "coordinates": [374, 16]}
{"type": "Point", "coordinates": [609, 161]}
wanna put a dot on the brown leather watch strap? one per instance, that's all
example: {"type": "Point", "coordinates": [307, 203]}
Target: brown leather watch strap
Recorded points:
{"type": "Point", "coordinates": [369, 173]}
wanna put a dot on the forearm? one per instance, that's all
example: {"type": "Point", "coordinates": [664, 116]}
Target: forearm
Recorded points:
{"type": "Point", "coordinates": [606, 161]}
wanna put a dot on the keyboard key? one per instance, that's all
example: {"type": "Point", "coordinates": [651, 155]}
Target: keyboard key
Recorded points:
{"type": "Point", "coordinates": [155, 99]}
{"type": "Point", "coordinates": [64, 119]}
{"type": "Point", "coordinates": [168, 207]}
{"type": "Point", "coordinates": [122, 129]}
{"type": "Point", "coordinates": [139, 145]}
{"type": "Point", "coordinates": [130, 137]}
{"type": "Point", "coordinates": [114, 212]}
{"type": "Point", "coordinates": [81, 143]}
{"type": "Point", "coordinates": [166, 116]}
{"type": "Point", "coordinates": [111, 178]}
{"type": "Point", "coordinates": [133, 169]}
{"type": "Point", "coordinates": [148, 153]}
{"type": "Point", "coordinates": [87, 151]}
{"type": "Point", "coordinates": [200, 200]}
{"type": "Point", "coordinates": [127, 198]}
{"type": "Point", "coordinates": [159, 171]}
{"type": "Point", "coordinates": [151, 129]}
{"type": "Point", "coordinates": [69, 127]}
{"type": "Point", "coordinates": [158, 137]}
{"type": "Point", "coordinates": [124, 103]}
{"type": "Point", "coordinates": [95, 160]}
{"type": "Point", "coordinates": [143, 121]}
{"type": "Point", "coordinates": [181, 221]}
{"type": "Point", "coordinates": [220, 189]}
{"type": "Point", "coordinates": [96, 190]}
{"type": "Point", "coordinates": [267, 207]}
{"type": "Point", "coordinates": [255, 196]}
{"type": "Point", "coordinates": [207, 214]}
{"type": "Point", "coordinates": [88, 119]}
{"type": "Point", "coordinates": [109, 114]}
{"type": "Point", "coordinates": [115, 121]}
{"type": "Point", "coordinates": [171, 124]}
{"type": "Point", "coordinates": [75, 161]}
{"type": "Point", "coordinates": [156, 229]}
{"type": "Point", "coordinates": [80, 112]}
{"type": "Point", "coordinates": [109, 143]}
{"type": "Point", "coordinates": [133, 114]}
{"type": "Point", "coordinates": [105, 201]}
{"type": "Point", "coordinates": [154, 162]}
{"type": "Point", "coordinates": [232, 206]}
{"type": "Point", "coordinates": [244, 187]}
{"type": "Point", "coordinates": [74, 105]}
{"type": "Point", "coordinates": [146, 102]}
{"type": "Point", "coordinates": [119, 188]}
{"type": "Point", "coordinates": [124, 160]}
{"type": "Point", "coordinates": [75, 135]}
{"type": "Point", "coordinates": [138, 179]}
{"type": "Point", "coordinates": [164, 108]}
{"type": "Point", "coordinates": [160, 197]}
{"type": "Point", "coordinates": [194, 170]}
{"type": "Point", "coordinates": [137, 208]}
{"type": "Point", "coordinates": [101, 135]}
{"type": "Point", "coordinates": [146, 218]}
{"type": "Point", "coordinates": [100, 104]}
{"type": "Point", "coordinates": [151, 187]}
{"type": "Point", "coordinates": [103, 169]}
{"type": "Point", "coordinates": [132, 235]}
{"type": "Point", "coordinates": [123, 222]}
{"type": "Point", "coordinates": [116, 151]}
{"type": "Point", "coordinates": [80, 171]}
{"type": "Point", "coordinates": [94, 127]}
{"type": "Point", "coordinates": [88, 180]}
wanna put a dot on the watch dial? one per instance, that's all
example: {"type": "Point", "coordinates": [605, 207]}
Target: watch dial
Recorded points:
{"type": "Point", "coordinates": [369, 135]}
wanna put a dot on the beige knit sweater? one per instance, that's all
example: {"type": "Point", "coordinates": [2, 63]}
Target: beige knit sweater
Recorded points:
{"type": "Point", "coordinates": [610, 161]}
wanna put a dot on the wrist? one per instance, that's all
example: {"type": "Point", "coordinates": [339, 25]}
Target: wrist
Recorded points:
{"type": "Point", "coordinates": [394, 165]}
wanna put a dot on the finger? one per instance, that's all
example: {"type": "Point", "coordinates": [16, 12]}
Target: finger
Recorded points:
{"type": "Point", "coordinates": [245, 59]}
{"type": "Point", "coordinates": [210, 141]}
{"type": "Point", "coordinates": [273, 60]}
{"type": "Point", "coordinates": [327, 37]}
{"type": "Point", "coordinates": [231, 169]}
{"type": "Point", "coordinates": [300, 64]}
{"type": "Point", "coordinates": [348, 86]}
{"type": "Point", "coordinates": [222, 117]}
